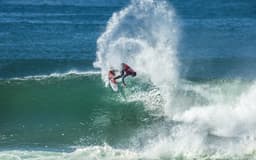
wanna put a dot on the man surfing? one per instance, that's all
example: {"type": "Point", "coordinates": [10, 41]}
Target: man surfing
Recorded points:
{"type": "Point", "coordinates": [112, 74]}
{"type": "Point", "coordinates": [112, 81]}
{"type": "Point", "coordinates": [126, 71]}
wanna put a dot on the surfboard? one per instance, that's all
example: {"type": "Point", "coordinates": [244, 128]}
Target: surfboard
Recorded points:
{"type": "Point", "coordinates": [112, 81]}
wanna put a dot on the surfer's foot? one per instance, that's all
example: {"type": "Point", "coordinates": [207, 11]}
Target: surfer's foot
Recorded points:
{"type": "Point", "coordinates": [113, 80]}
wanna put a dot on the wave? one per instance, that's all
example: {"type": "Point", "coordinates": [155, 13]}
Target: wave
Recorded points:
{"type": "Point", "coordinates": [69, 109]}
{"type": "Point", "coordinates": [56, 75]}
{"type": "Point", "coordinates": [212, 118]}
{"type": "Point", "coordinates": [158, 116]}
{"type": "Point", "coordinates": [145, 35]}
{"type": "Point", "coordinates": [107, 152]}
{"type": "Point", "coordinates": [227, 117]}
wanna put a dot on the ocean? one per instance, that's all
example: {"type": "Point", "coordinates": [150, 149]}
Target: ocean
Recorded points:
{"type": "Point", "coordinates": [193, 96]}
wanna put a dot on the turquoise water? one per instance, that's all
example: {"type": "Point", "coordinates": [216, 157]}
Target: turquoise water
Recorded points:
{"type": "Point", "coordinates": [74, 109]}
{"type": "Point", "coordinates": [193, 96]}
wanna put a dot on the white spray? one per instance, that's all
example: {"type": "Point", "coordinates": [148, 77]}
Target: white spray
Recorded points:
{"type": "Point", "coordinates": [143, 35]}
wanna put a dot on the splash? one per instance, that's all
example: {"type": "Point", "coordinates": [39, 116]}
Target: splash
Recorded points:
{"type": "Point", "coordinates": [209, 118]}
{"type": "Point", "coordinates": [233, 119]}
{"type": "Point", "coordinates": [143, 35]}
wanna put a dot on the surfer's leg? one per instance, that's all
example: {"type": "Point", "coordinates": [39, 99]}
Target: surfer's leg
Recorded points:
{"type": "Point", "coordinates": [124, 78]}
{"type": "Point", "coordinates": [121, 75]}
{"type": "Point", "coordinates": [117, 77]}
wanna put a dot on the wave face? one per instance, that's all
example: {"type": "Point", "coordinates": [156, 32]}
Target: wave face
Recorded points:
{"type": "Point", "coordinates": [72, 116]}
{"type": "Point", "coordinates": [60, 110]}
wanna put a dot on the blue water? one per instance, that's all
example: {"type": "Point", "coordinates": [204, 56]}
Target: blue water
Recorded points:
{"type": "Point", "coordinates": [54, 102]}
{"type": "Point", "coordinates": [64, 30]}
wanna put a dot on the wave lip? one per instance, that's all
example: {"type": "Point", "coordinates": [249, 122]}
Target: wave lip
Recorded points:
{"type": "Point", "coordinates": [57, 75]}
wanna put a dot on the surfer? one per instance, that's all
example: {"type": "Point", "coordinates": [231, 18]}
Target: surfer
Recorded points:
{"type": "Point", "coordinates": [126, 71]}
{"type": "Point", "coordinates": [112, 74]}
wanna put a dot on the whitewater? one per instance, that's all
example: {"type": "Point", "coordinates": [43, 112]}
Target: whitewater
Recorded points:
{"type": "Point", "coordinates": [160, 115]}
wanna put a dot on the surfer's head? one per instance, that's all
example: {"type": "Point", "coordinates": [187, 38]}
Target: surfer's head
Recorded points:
{"type": "Point", "coordinates": [122, 65]}
{"type": "Point", "coordinates": [111, 68]}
